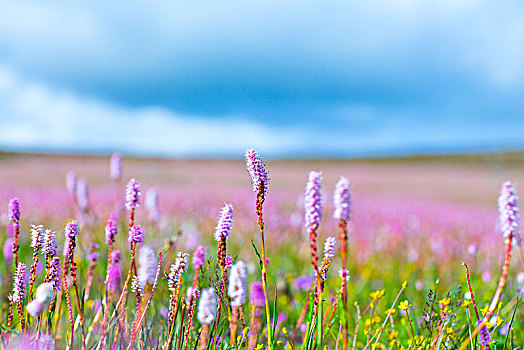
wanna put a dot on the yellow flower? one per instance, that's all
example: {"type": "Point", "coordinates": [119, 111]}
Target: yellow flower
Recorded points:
{"type": "Point", "coordinates": [393, 335]}
{"type": "Point", "coordinates": [390, 310]}
{"type": "Point", "coordinates": [484, 310]}
{"type": "Point", "coordinates": [444, 302]}
{"type": "Point", "coordinates": [449, 330]}
{"type": "Point", "coordinates": [377, 319]}
{"type": "Point", "coordinates": [376, 295]}
{"type": "Point", "coordinates": [259, 346]}
{"type": "Point", "coordinates": [279, 342]}
{"type": "Point", "coordinates": [404, 305]}
{"type": "Point", "coordinates": [466, 303]}
{"type": "Point", "coordinates": [284, 330]}
{"type": "Point", "coordinates": [404, 284]}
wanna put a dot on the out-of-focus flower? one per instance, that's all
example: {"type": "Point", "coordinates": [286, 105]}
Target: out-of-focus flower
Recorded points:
{"type": "Point", "coordinates": [237, 284]}
{"type": "Point", "coordinates": [111, 231]}
{"type": "Point", "coordinates": [115, 166]}
{"type": "Point", "coordinates": [147, 261]}
{"type": "Point", "coordinates": [509, 212]}
{"type": "Point", "coordinates": [133, 194]}
{"type": "Point", "coordinates": [342, 200]}
{"type": "Point", "coordinates": [207, 307]}
{"type": "Point", "coordinates": [199, 258]}
{"type": "Point", "coordinates": [256, 295]}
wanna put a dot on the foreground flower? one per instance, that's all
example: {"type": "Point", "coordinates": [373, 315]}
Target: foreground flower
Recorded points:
{"type": "Point", "coordinates": [257, 171]}
{"type": "Point", "coordinates": [147, 263]}
{"type": "Point", "coordinates": [207, 309]}
{"type": "Point", "coordinates": [136, 234]}
{"type": "Point", "coordinates": [225, 222]}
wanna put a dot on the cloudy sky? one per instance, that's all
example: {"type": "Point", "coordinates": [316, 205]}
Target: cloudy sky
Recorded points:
{"type": "Point", "coordinates": [291, 78]}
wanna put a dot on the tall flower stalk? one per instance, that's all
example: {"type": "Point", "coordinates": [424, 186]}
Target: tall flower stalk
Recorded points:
{"type": "Point", "coordinates": [14, 217]}
{"type": "Point", "coordinates": [342, 213]}
{"type": "Point", "coordinates": [260, 183]}
{"type": "Point", "coordinates": [222, 233]}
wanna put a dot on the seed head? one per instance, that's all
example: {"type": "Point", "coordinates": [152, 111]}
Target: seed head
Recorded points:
{"type": "Point", "coordinates": [49, 246]}
{"type": "Point", "coordinates": [207, 307]}
{"type": "Point", "coordinates": [147, 266]}
{"type": "Point", "coordinates": [237, 284]}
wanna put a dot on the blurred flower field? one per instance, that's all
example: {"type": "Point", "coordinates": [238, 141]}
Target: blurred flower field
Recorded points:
{"type": "Point", "coordinates": [195, 279]}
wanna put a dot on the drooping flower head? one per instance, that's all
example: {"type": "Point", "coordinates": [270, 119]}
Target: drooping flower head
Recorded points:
{"type": "Point", "coordinates": [136, 234]}
{"type": "Point", "coordinates": [342, 200]}
{"type": "Point", "coordinates": [509, 212]}
{"type": "Point", "coordinates": [19, 284]}
{"type": "Point", "coordinates": [147, 261]}
{"type": "Point", "coordinates": [82, 194]}
{"type": "Point", "coordinates": [257, 171]}
{"type": "Point", "coordinates": [133, 194]}
{"type": "Point", "coordinates": [115, 166]}
{"type": "Point", "coordinates": [329, 247]}
{"type": "Point", "coordinates": [225, 222]}
{"type": "Point", "coordinates": [14, 210]}
{"type": "Point", "coordinates": [199, 258]}
{"type": "Point", "coordinates": [177, 269]}
{"type": "Point", "coordinates": [237, 284]}
{"type": "Point", "coordinates": [71, 182]}
{"type": "Point", "coordinates": [71, 229]}
{"type": "Point", "coordinates": [207, 307]}
{"type": "Point", "coordinates": [312, 203]}
{"type": "Point", "coordinates": [37, 236]}
{"type": "Point", "coordinates": [111, 231]}
{"type": "Point", "coordinates": [256, 294]}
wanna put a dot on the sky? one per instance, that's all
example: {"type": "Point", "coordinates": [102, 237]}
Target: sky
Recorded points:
{"type": "Point", "coordinates": [296, 78]}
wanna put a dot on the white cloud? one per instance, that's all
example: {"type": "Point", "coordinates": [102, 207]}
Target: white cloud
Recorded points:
{"type": "Point", "coordinates": [34, 116]}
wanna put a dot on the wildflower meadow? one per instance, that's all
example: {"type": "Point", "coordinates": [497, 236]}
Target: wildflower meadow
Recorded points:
{"type": "Point", "coordinates": [249, 259]}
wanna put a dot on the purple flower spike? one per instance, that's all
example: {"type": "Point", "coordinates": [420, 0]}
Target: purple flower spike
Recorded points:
{"type": "Point", "coordinates": [71, 182]}
{"type": "Point", "coordinates": [136, 234]}
{"type": "Point", "coordinates": [342, 200]}
{"type": "Point", "coordinates": [199, 259]}
{"type": "Point", "coordinates": [71, 229]}
{"type": "Point", "coordinates": [111, 231]}
{"type": "Point", "coordinates": [115, 255]}
{"type": "Point", "coordinates": [257, 170]}
{"type": "Point", "coordinates": [256, 295]}
{"type": "Point", "coordinates": [115, 166]}
{"type": "Point", "coordinates": [14, 210]}
{"type": "Point", "coordinates": [19, 284]}
{"type": "Point", "coordinates": [329, 247]}
{"type": "Point", "coordinates": [133, 194]}
{"type": "Point", "coordinates": [225, 221]}
{"type": "Point", "coordinates": [509, 212]}
{"type": "Point", "coordinates": [55, 274]}
{"type": "Point", "coordinates": [312, 205]}
{"type": "Point", "coordinates": [114, 275]}
{"type": "Point", "coordinates": [8, 249]}
{"type": "Point", "coordinates": [82, 194]}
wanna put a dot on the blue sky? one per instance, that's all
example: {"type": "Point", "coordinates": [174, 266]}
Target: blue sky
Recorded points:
{"type": "Point", "coordinates": [293, 78]}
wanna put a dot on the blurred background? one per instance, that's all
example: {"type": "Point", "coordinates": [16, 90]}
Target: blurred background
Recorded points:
{"type": "Point", "coordinates": [292, 79]}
